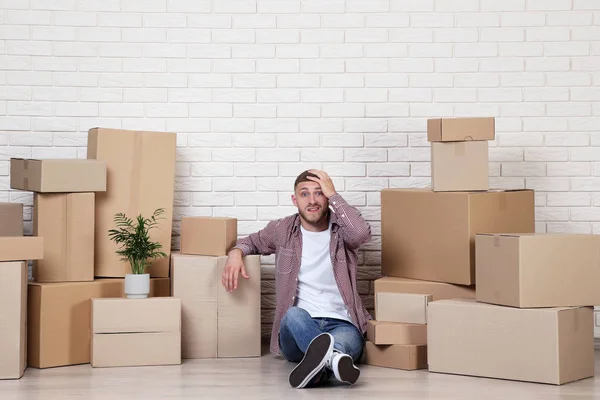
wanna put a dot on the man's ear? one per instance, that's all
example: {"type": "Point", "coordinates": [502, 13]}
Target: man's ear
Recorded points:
{"type": "Point", "coordinates": [294, 200]}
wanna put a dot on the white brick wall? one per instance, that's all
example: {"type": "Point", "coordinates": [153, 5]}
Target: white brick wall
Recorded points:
{"type": "Point", "coordinates": [260, 90]}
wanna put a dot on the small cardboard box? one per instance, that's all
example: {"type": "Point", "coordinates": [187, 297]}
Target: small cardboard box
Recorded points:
{"type": "Point", "coordinates": [141, 179]}
{"type": "Point", "coordinates": [59, 318]}
{"type": "Point", "coordinates": [136, 332]}
{"type": "Point", "coordinates": [208, 236]}
{"type": "Point", "coordinates": [21, 248]}
{"type": "Point", "coordinates": [437, 290]}
{"type": "Point", "coordinates": [431, 235]}
{"type": "Point", "coordinates": [57, 175]}
{"type": "Point", "coordinates": [13, 319]}
{"type": "Point", "coordinates": [543, 345]}
{"type": "Point", "coordinates": [538, 270]}
{"type": "Point", "coordinates": [459, 166]}
{"type": "Point", "coordinates": [461, 129]}
{"type": "Point", "coordinates": [380, 333]}
{"type": "Point", "coordinates": [216, 323]}
{"type": "Point", "coordinates": [402, 307]}
{"type": "Point", "coordinates": [11, 219]}
{"type": "Point", "coordinates": [399, 356]}
{"type": "Point", "coordinates": [66, 222]}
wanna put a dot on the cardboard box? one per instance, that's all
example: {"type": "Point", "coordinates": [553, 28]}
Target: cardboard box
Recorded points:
{"type": "Point", "coordinates": [208, 236]}
{"type": "Point", "coordinates": [459, 166]}
{"type": "Point", "coordinates": [11, 216]}
{"type": "Point", "coordinates": [402, 307]}
{"type": "Point", "coordinates": [136, 332]}
{"type": "Point", "coordinates": [538, 270]}
{"type": "Point", "coordinates": [57, 175]}
{"type": "Point", "coordinates": [431, 236]}
{"type": "Point", "coordinates": [379, 333]}
{"type": "Point", "coordinates": [544, 345]}
{"type": "Point", "coordinates": [13, 318]}
{"type": "Point", "coordinates": [216, 323]}
{"type": "Point", "coordinates": [21, 248]}
{"type": "Point", "coordinates": [398, 356]}
{"type": "Point", "coordinates": [461, 129]}
{"type": "Point", "coordinates": [141, 179]}
{"type": "Point", "coordinates": [437, 290]}
{"type": "Point", "coordinates": [66, 222]}
{"type": "Point", "coordinates": [59, 318]}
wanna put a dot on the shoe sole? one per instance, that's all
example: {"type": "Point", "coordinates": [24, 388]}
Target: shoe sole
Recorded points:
{"type": "Point", "coordinates": [347, 371]}
{"type": "Point", "coordinates": [313, 361]}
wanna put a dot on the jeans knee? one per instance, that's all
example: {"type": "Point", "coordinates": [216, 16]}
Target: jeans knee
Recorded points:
{"type": "Point", "coordinates": [294, 314]}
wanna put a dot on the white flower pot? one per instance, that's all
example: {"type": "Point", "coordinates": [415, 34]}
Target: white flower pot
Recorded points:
{"type": "Point", "coordinates": [137, 286]}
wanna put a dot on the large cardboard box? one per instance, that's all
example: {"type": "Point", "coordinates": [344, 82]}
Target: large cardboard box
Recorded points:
{"type": "Point", "coordinates": [140, 179]}
{"type": "Point", "coordinates": [208, 236]}
{"type": "Point", "coordinates": [380, 332]}
{"type": "Point", "coordinates": [459, 166]}
{"type": "Point", "coordinates": [538, 270]}
{"type": "Point", "coordinates": [544, 345]}
{"type": "Point", "coordinates": [13, 319]}
{"type": "Point", "coordinates": [66, 222]}
{"type": "Point", "coordinates": [59, 318]}
{"type": "Point", "coordinates": [398, 356]}
{"type": "Point", "coordinates": [461, 129]}
{"type": "Point", "coordinates": [402, 307]}
{"type": "Point", "coordinates": [216, 323]}
{"type": "Point", "coordinates": [58, 175]}
{"type": "Point", "coordinates": [11, 217]}
{"type": "Point", "coordinates": [136, 332]}
{"type": "Point", "coordinates": [21, 248]}
{"type": "Point", "coordinates": [431, 236]}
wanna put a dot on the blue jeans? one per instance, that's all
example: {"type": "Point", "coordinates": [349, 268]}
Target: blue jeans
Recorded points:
{"type": "Point", "coordinates": [298, 328]}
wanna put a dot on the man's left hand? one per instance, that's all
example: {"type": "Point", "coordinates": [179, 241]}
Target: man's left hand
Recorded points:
{"type": "Point", "coordinates": [324, 180]}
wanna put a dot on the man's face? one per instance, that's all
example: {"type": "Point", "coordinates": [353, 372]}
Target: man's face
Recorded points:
{"type": "Point", "coordinates": [312, 204]}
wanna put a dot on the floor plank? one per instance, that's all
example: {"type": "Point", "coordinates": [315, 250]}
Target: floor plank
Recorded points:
{"type": "Point", "coordinates": [266, 378]}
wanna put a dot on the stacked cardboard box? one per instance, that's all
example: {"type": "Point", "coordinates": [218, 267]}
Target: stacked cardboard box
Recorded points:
{"type": "Point", "coordinates": [215, 323]}
{"type": "Point", "coordinates": [75, 202]}
{"type": "Point", "coordinates": [532, 319]}
{"type": "Point", "coordinates": [428, 235]}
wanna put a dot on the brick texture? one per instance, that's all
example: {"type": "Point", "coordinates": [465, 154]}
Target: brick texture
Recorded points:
{"type": "Point", "coordinates": [259, 90]}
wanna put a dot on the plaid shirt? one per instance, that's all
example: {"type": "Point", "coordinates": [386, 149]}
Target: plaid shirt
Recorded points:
{"type": "Point", "coordinates": [283, 237]}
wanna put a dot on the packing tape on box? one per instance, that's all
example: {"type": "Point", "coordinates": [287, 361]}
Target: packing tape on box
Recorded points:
{"type": "Point", "coordinates": [25, 165]}
{"type": "Point", "coordinates": [459, 149]}
{"type": "Point", "coordinates": [496, 241]}
{"type": "Point", "coordinates": [502, 200]}
{"type": "Point", "coordinates": [26, 182]}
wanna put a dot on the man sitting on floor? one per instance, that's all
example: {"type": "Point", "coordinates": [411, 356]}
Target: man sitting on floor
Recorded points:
{"type": "Point", "coordinates": [320, 320]}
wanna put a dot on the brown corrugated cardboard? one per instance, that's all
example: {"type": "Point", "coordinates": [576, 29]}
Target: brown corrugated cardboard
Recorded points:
{"type": "Point", "coordinates": [58, 175]}
{"type": "Point", "coordinates": [136, 349]}
{"type": "Point", "coordinates": [399, 356]}
{"type": "Point", "coordinates": [216, 323]}
{"type": "Point", "coordinates": [460, 129]}
{"type": "Point", "coordinates": [141, 178]}
{"type": "Point", "coordinates": [538, 270]}
{"type": "Point", "coordinates": [21, 248]}
{"type": "Point", "coordinates": [438, 290]}
{"type": "Point", "coordinates": [11, 215]}
{"type": "Point", "coordinates": [13, 318]}
{"type": "Point", "coordinates": [135, 332]}
{"type": "Point", "coordinates": [459, 166]}
{"type": "Point", "coordinates": [544, 345]}
{"type": "Point", "coordinates": [59, 318]}
{"type": "Point", "coordinates": [208, 236]}
{"type": "Point", "coordinates": [431, 236]}
{"type": "Point", "coordinates": [396, 333]}
{"type": "Point", "coordinates": [66, 222]}
{"type": "Point", "coordinates": [402, 307]}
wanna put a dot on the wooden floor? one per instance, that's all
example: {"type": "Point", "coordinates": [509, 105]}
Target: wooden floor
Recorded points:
{"type": "Point", "coordinates": [266, 378]}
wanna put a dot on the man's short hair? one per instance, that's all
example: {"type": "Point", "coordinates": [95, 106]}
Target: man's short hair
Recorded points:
{"type": "Point", "coordinates": [303, 177]}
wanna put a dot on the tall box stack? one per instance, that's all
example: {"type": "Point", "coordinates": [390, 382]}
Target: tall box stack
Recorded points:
{"type": "Point", "coordinates": [140, 179]}
{"type": "Point", "coordinates": [428, 235]}
{"type": "Point", "coordinates": [215, 323]}
{"type": "Point", "coordinates": [532, 319]}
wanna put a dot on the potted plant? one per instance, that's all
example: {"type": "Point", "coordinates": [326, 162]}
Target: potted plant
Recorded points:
{"type": "Point", "coordinates": [133, 237]}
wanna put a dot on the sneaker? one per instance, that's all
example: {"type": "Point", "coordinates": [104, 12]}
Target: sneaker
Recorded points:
{"type": "Point", "coordinates": [318, 352]}
{"type": "Point", "coordinates": [343, 368]}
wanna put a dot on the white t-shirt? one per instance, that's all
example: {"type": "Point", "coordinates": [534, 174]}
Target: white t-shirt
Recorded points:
{"type": "Point", "coordinates": [318, 292]}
